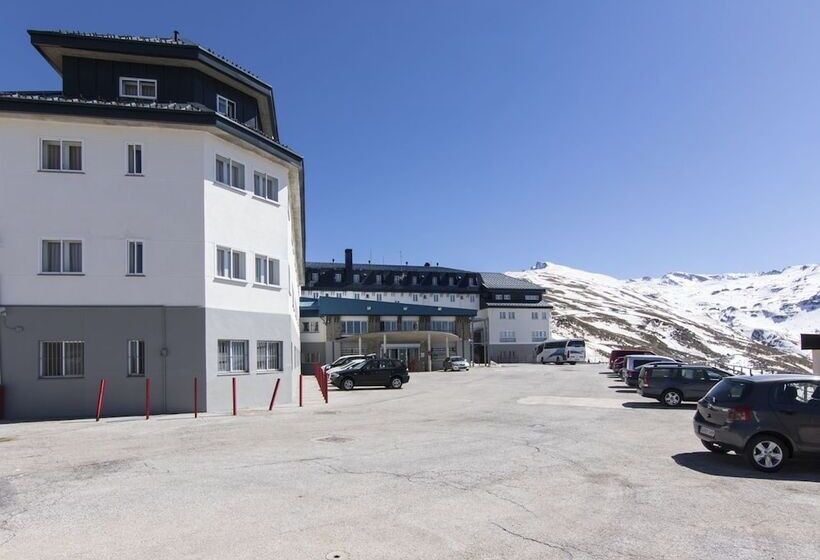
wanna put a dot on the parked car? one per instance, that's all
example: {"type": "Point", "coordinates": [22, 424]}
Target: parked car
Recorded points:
{"type": "Point", "coordinates": [767, 418]}
{"type": "Point", "coordinates": [673, 384]}
{"type": "Point", "coordinates": [622, 352]}
{"type": "Point", "coordinates": [456, 363]}
{"type": "Point", "coordinates": [344, 360]}
{"type": "Point", "coordinates": [372, 372]}
{"type": "Point", "coordinates": [629, 371]}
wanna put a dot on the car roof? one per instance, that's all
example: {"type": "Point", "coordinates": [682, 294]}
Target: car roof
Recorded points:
{"type": "Point", "coordinates": [777, 378]}
{"type": "Point", "coordinates": [645, 356]}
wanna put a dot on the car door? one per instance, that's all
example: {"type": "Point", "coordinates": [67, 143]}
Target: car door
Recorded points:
{"type": "Point", "coordinates": [799, 411]}
{"type": "Point", "coordinates": [385, 371]}
{"type": "Point", "coordinates": [692, 383]}
{"type": "Point", "coordinates": [368, 373]}
{"type": "Point", "coordinates": [701, 384]}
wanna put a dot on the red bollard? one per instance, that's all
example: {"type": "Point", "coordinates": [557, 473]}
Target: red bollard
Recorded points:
{"type": "Point", "coordinates": [273, 398]}
{"type": "Point", "coordinates": [300, 388]}
{"type": "Point", "coordinates": [196, 398]}
{"type": "Point", "coordinates": [147, 398]}
{"type": "Point", "coordinates": [100, 396]}
{"type": "Point", "coordinates": [233, 391]}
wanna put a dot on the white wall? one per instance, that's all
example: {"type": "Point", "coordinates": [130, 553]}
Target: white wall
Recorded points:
{"type": "Point", "coordinates": [104, 208]}
{"type": "Point", "coordinates": [523, 325]}
{"type": "Point", "coordinates": [815, 356]}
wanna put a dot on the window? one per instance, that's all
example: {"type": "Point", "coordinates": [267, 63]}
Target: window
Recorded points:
{"type": "Point", "coordinates": [62, 359]}
{"type": "Point", "coordinates": [265, 186]}
{"type": "Point", "coordinates": [511, 314]}
{"type": "Point", "coordinates": [506, 336]}
{"type": "Point", "coordinates": [498, 297]}
{"type": "Point", "coordinates": [435, 280]}
{"type": "Point", "coordinates": [136, 357]}
{"type": "Point", "coordinates": [443, 326]}
{"type": "Point", "coordinates": [409, 325]}
{"type": "Point", "coordinates": [354, 327]}
{"type": "Point", "coordinates": [310, 358]}
{"type": "Point", "coordinates": [230, 263]}
{"type": "Point", "coordinates": [357, 278]}
{"type": "Point", "coordinates": [378, 279]}
{"type": "Point", "coordinates": [535, 314]}
{"type": "Point", "coordinates": [435, 297]}
{"type": "Point", "coordinates": [62, 257]}
{"type": "Point", "coordinates": [138, 88]}
{"type": "Point", "coordinates": [452, 298]}
{"type": "Point", "coordinates": [799, 393]}
{"type": "Point", "coordinates": [267, 271]}
{"type": "Point", "coordinates": [61, 155]}
{"type": "Point", "coordinates": [314, 276]}
{"type": "Point", "coordinates": [229, 172]}
{"type": "Point", "coordinates": [415, 297]}
{"type": "Point", "coordinates": [337, 277]}
{"type": "Point", "coordinates": [135, 258]}
{"type": "Point", "coordinates": [389, 326]}
{"type": "Point", "coordinates": [531, 297]}
{"type": "Point", "coordinates": [539, 336]}
{"type": "Point", "coordinates": [356, 296]}
{"type": "Point", "coordinates": [232, 356]}
{"type": "Point", "coordinates": [378, 297]}
{"type": "Point", "coordinates": [269, 355]}
{"type": "Point", "coordinates": [339, 295]}
{"type": "Point", "coordinates": [472, 299]}
{"type": "Point", "coordinates": [507, 297]}
{"type": "Point", "coordinates": [502, 314]}
{"type": "Point", "coordinates": [134, 156]}
{"type": "Point", "coordinates": [543, 314]}
{"type": "Point", "coordinates": [225, 106]}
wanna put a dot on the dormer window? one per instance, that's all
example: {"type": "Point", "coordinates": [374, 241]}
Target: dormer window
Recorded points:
{"type": "Point", "coordinates": [138, 88]}
{"type": "Point", "coordinates": [435, 280]}
{"type": "Point", "coordinates": [378, 279]}
{"type": "Point", "coordinates": [225, 106]}
{"type": "Point", "coordinates": [357, 278]}
{"type": "Point", "coordinates": [337, 277]}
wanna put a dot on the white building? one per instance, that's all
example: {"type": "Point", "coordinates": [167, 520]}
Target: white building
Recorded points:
{"type": "Point", "coordinates": [151, 227]}
{"type": "Point", "coordinates": [420, 314]}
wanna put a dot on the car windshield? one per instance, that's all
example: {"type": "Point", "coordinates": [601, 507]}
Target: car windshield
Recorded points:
{"type": "Point", "coordinates": [456, 358]}
{"type": "Point", "coordinates": [341, 361]}
{"type": "Point", "coordinates": [353, 364]}
{"type": "Point", "coordinates": [729, 390]}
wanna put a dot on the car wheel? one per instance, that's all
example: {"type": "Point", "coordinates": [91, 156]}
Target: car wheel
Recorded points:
{"type": "Point", "coordinates": [766, 453]}
{"type": "Point", "coordinates": [348, 384]}
{"type": "Point", "coordinates": [672, 398]}
{"type": "Point", "coordinates": [559, 361]}
{"type": "Point", "coordinates": [714, 447]}
{"type": "Point", "coordinates": [571, 363]}
{"type": "Point", "coordinates": [395, 383]}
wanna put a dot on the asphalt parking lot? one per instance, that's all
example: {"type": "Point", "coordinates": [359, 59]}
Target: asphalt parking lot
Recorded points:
{"type": "Point", "coordinates": [519, 462]}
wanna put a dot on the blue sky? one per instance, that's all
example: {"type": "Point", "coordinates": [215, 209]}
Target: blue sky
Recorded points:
{"type": "Point", "coordinates": [630, 138]}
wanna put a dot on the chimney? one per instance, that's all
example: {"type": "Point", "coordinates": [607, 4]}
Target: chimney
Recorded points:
{"type": "Point", "coordinates": [348, 265]}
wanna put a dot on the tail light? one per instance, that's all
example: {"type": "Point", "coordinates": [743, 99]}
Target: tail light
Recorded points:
{"type": "Point", "coordinates": [645, 377]}
{"type": "Point", "coordinates": [739, 414]}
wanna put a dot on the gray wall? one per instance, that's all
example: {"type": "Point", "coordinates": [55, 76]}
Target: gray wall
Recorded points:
{"type": "Point", "coordinates": [105, 331]}
{"type": "Point", "coordinates": [254, 389]}
{"type": "Point", "coordinates": [524, 353]}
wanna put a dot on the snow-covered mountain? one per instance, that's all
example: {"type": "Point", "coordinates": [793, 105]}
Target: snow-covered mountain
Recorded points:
{"type": "Point", "coordinates": [752, 320]}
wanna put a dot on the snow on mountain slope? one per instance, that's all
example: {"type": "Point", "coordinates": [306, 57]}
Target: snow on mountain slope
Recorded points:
{"type": "Point", "coordinates": [752, 320]}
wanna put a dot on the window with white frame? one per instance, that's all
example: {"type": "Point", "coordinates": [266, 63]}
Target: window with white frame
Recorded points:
{"type": "Point", "coordinates": [535, 314]}
{"type": "Point", "coordinates": [265, 186]}
{"type": "Point", "coordinates": [354, 327]}
{"type": "Point", "coordinates": [60, 256]}
{"type": "Point", "coordinates": [415, 297]}
{"type": "Point", "coordinates": [498, 297]}
{"type": "Point", "coordinates": [378, 297]}
{"type": "Point", "coordinates": [443, 326]}
{"type": "Point", "coordinates": [61, 155]}
{"type": "Point", "coordinates": [136, 357]}
{"type": "Point", "coordinates": [506, 336]}
{"type": "Point", "coordinates": [229, 172]}
{"type": "Point", "coordinates": [357, 278]}
{"type": "Point", "coordinates": [378, 279]}
{"type": "Point", "coordinates": [472, 299]}
{"type": "Point", "coordinates": [539, 336]}
{"type": "Point", "coordinates": [502, 314]}
{"type": "Point", "coordinates": [62, 358]}
{"type": "Point", "coordinates": [337, 277]}
{"type": "Point", "coordinates": [435, 297]}
{"type": "Point", "coordinates": [452, 298]}
{"type": "Point", "coordinates": [267, 270]}
{"type": "Point", "coordinates": [507, 297]}
{"type": "Point", "coordinates": [134, 159]}
{"type": "Point", "coordinates": [138, 88]}
{"type": "Point", "coordinates": [135, 267]}
{"type": "Point", "coordinates": [225, 106]}
{"type": "Point", "coordinates": [310, 357]}
{"type": "Point", "coordinates": [532, 297]}
{"type": "Point", "coordinates": [269, 355]}
{"type": "Point", "coordinates": [230, 263]}
{"type": "Point", "coordinates": [511, 314]}
{"type": "Point", "coordinates": [543, 314]}
{"type": "Point", "coordinates": [232, 356]}
{"type": "Point", "coordinates": [356, 295]}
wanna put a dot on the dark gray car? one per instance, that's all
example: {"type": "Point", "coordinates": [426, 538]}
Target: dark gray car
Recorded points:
{"type": "Point", "coordinates": [767, 418]}
{"type": "Point", "coordinates": [673, 384]}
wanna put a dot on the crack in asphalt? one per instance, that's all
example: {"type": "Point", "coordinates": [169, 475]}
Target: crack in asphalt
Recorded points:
{"type": "Point", "coordinates": [530, 539]}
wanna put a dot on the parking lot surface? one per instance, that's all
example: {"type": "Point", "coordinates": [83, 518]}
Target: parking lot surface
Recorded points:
{"type": "Point", "coordinates": [526, 461]}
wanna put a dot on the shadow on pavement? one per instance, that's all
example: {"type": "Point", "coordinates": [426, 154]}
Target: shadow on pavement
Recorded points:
{"type": "Point", "coordinates": [655, 404]}
{"type": "Point", "coordinates": [625, 390]}
{"type": "Point", "coordinates": [735, 466]}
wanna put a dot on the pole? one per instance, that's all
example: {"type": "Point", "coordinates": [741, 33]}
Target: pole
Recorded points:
{"type": "Point", "coordinates": [300, 388]}
{"type": "Point", "coordinates": [196, 399]}
{"type": "Point", "coordinates": [147, 398]}
{"type": "Point", "coordinates": [273, 398]}
{"type": "Point", "coordinates": [100, 397]}
{"type": "Point", "coordinates": [233, 394]}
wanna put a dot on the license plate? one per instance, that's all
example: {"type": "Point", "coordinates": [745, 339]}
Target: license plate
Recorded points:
{"type": "Point", "coordinates": [707, 431]}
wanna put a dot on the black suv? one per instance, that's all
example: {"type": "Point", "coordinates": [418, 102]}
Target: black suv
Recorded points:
{"type": "Point", "coordinates": [767, 418]}
{"type": "Point", "coordinates": [673, 384]}
{"type": "Point", "coordinates": [374, 372]}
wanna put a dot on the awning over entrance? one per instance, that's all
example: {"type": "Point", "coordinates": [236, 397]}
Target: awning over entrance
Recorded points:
{"type": "Point", "coordinates": [421, 350]}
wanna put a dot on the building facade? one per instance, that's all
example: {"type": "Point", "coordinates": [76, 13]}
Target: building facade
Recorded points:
{"type": "Point", "coordinates": [420, 314]}
{"type": "Point", "coordinates": [152, 226]}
